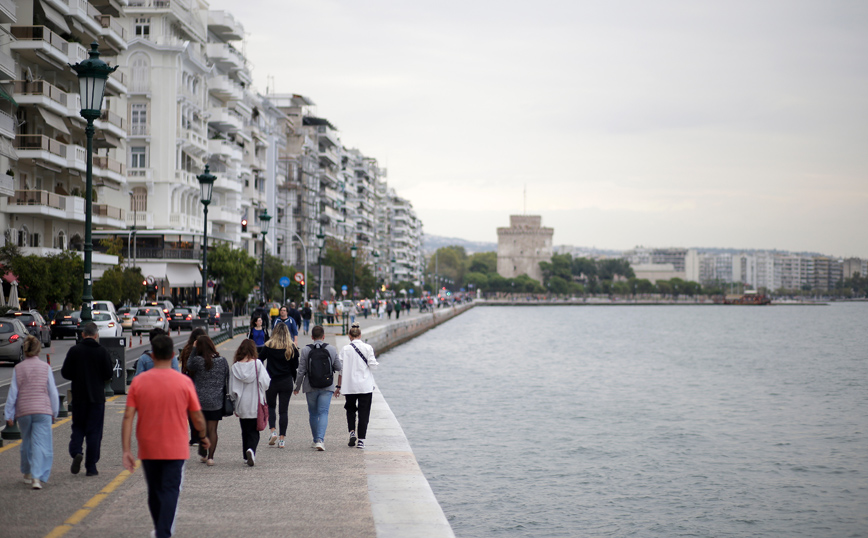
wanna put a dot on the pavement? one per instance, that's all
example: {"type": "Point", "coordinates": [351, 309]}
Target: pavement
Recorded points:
{"type": "Point", "coordinates": [295, 491]}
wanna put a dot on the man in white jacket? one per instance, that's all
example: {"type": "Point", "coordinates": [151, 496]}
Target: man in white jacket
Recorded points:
{"type": "Point", "coordinates": [357, 381]}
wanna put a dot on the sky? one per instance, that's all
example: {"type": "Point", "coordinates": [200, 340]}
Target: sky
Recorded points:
{"type": "Point", "coordinates": [736, 124]}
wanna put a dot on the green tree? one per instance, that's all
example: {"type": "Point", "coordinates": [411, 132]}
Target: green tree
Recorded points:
{"type": "Point", "coordinates": [449, 262]}
{"type": "Point", "coordinates": [558, 285]}
{"type": "Point", "coordinates": [233, 269]}
{"type": "Point", "coordinates": [482, 262]}
{"type": "Point", "coordinates": [338, 256]}
{"type": "Point", "coordinates": [66, 274]}
{"type": "Point", "coordinates": [608, 269]}
{"type": "Point", "coordinates": [664, 287]}
{"type": "Point", "coordinates": [478, 280]}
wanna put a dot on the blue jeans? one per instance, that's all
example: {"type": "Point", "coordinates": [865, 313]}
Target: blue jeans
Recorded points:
{"type": "Point", "coordinates": [37, 449]}
{"type": "Point", "coordinates": [306, 323]}
{"type": "Point", "coordinates": [318, 401]}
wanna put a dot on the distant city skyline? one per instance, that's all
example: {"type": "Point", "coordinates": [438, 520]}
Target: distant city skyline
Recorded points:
{"type": "Point", "coordinates": [736, 124]}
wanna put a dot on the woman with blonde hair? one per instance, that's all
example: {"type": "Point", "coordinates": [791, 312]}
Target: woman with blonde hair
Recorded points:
{"type": "Point", "coordinates": [248, 382]}
{"type": "Point", "coordinates": [281, 357]}
{"type": "Point", "coordinates": [34, 403]}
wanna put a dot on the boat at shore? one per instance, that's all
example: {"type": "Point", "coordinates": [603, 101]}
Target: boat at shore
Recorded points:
{"type": "Point", "coordinates": [750, 297]}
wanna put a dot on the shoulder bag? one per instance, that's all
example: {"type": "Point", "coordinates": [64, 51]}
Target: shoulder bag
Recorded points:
{"type": "Point", "coordinates": [228, 404]}
{"type": "Point", "coordinates": [261, 407]}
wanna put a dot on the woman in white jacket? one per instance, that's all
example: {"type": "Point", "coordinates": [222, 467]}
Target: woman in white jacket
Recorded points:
{"type": "Point", "coordinates": [357, 384]}
{"type": "Point", "coordinates": [248, 372]}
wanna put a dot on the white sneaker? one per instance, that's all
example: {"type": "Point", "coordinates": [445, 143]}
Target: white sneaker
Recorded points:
{"type": "Point", "coordinates": [319, 446]}
{"type": "Point", "coordinates": [272, 439]}
{"type": "Point", "coordinates": [28, 479]}
{"type": "Point", "coordinates": [36, 484]}
{"type": "Point", "coordinates": [313, 444]}
{"type": "Point", "coordinates": [251, 457]}
{"type": "Point", "coordinates": [360, 444]}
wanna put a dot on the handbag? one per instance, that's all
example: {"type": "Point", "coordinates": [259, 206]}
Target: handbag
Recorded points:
{"type": "Point", "coordinates": [261, 407]}
{"type": "Point", "coordinates": [228, 404]}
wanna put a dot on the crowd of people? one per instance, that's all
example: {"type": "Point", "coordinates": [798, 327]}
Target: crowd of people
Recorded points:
{"type": "Point", "coordinates": [178, 399]}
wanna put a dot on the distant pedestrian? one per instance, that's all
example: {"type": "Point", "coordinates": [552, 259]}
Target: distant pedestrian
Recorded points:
{"type": "Point", "coordinates": [295, 315]}
{"type": "Point", "coordinates": [145, 362]}
{"type": "Point", "coordinates": [258, 332]}
{"type": "Point", "coordinates": [330, 311]}
{"type": "Point", "coordinates": [283, 318]}
{"type": "Point", "coordinates": [163, 399]}
{"type": "Point", "coordinates": [382, 310]}
{"type": "Point", "coordinates": [356, 382]}
{"type": "Point", "coordinates": [389, 308]}
{"type": "Point", "coordinates": [280, 356]}
{"type": "Point", "coordinates": [88, 366]}
{"type": "Point", "coordinates": [316, 367]}
{"type": "Point", "coordinates": [248, 382]}
{"type": "Point", "coordinates": [33, 401]}
{"type": "Point", "coordinates": [397, 309]}
{"type": "Point", "coordinates": [210, 373]}
{"type": "Point", "coordinates": [183, 358]}
{"type": "Point", "coordinates": [306, 314]}
{"type": "Point", "coordinates": [274, 311]}
{"type": "Point", "coordinates": [262, 312]}
{"type": "Point", "coordinates": [352, 311]}
{"type": "Point", "coordinates": [339, 310]}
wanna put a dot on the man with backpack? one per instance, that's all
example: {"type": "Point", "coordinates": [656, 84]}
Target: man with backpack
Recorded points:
{"type": "Point", "coordinates": [316, 375]}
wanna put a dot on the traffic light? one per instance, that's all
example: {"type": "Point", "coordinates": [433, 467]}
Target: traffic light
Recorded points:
{"type": "Point", "coordinates": [243, 225]}
{"type": "Point", "coordinates": [144, 282]}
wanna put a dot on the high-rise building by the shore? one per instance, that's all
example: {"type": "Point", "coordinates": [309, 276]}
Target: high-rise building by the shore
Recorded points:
{"type": "Point", "coordinates": [522, 246]}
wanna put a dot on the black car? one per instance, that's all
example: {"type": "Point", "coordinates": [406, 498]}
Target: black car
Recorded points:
{"type": "Point", "coordinates": [65, 323]}
{"type": "Point", "coordinates": [212, 314]}
{"type": "Point", "coordinates": [181, 317]}
{"type": "Point", "coordinates": [34, 323]}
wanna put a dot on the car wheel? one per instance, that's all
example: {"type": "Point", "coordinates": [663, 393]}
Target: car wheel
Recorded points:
{"type": "Point", "coordinates": [20, 354]}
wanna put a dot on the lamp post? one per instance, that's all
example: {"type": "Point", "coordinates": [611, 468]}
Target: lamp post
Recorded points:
{"type": "Point", "coordinates": [130, 241]}
{"type": "Point", "coordinates": [303, 246]}
{"type": "Point", "coordinates": [266, 219]}
{"type": "Point", "coordinates": [353, 252]}
{"type": "Point", "coordinates": [320, 239]}
{"type": "Point", "coordinates": [206, 188]}
{"type": "Point", "coordinates": [92, 75]}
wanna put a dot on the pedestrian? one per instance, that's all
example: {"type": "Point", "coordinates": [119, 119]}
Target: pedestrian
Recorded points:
{"type": "Point", "coordinates": [321, 310]}
{"type": "Point", "coordinates": [316, 367]}
{"type": "Point", "coordinates": [183, 358]}
{"type": "Point", "coordinates": [248, 382]}
{"type": "Point", "coordinates": [330, 311]}
{"type": "Point", "coordinates": [33, 401]}
{"type": "Point", "coordinates": [88, 366]}
{"type": "Point", "coordinates": [145, 362]}
{"type": "Point", "coordinates": [366, 308]}
{"type": "Point", "coordinates": [339, 310]}
{"type": "Point", "coordinates": [352, 311]}
{"type": "Point", "coordinates": [389, 308]}
{"type": "Point", "coordinates": [258, 332]}
{"type": "Point", "coordinates": [295, 314]}
{"type": "Point", "coordinates": [262, 312]}
{"type": "Point", "coordinates": [284, 319]}
{"type": "Point", "coordinates": [356, 382]}
{"type": "Point", "coordinates": [163, 399]}
{"type": "Point", "coordinates": [382, 309]}
{"type": "Point", "coordinates": [306, 314]}
{"type": "Point", "coordinates": [397, 309]}
{"type": "Point", "coordinates": [280, 356]}
{"type": "Point", "coordinates": [209, 372]}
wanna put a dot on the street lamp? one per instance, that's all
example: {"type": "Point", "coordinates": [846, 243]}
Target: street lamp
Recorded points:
{"type": "Point", "coordinates": [353, 252]}
{"type": "Point", "coordinates": [130, 246]}
{"type": "Point", "coordinates": [206, 189]}
{"type": "Point", "coordinates": [92, 75]}
{"type": "Point", "coordinates": [266, 219]}
{"type": "Point", "coordinates": [320, 239]}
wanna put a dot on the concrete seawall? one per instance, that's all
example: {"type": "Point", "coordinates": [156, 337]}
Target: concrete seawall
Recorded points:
{"type": "Point", "coordinates": [385, 337]}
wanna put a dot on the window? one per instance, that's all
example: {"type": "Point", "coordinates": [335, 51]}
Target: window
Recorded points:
{"type": "Point", "coordinates": [141, 75]}
{"type": "Point", "coordinates": [139, 200]}
{"type": "Point", "coordinates": [143, 27]}
{"type": "Point", "coordinates": [138, 157]}
{"type": "Point", "coordinates": [139, 119]}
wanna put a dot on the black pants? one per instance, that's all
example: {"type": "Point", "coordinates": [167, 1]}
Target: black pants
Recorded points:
{"type": "Point", "coordinates": [164, 478]}
{"type": "Point", "coordinates": [281, 388]}
{"type": "Point", "coordinates": [249, 435]}
{"type": "Point", "coordinates": [87, 423]}
{"type": "Point", "coordinates": [362, 403]}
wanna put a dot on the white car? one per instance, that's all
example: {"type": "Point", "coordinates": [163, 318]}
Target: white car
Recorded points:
{"type": "Point", "coordinates": [108, 324]}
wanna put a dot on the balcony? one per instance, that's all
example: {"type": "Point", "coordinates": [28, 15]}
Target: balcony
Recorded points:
{"type": "Point", "coordinates": [140, 174]}
{"type": "Point", "coordinates": [110, 168]}
{"type": "Point", "coordinates": [85, 14]}
{"type": "Point", "coordinates": [43, 94]}
{"type": "Point", "coordinates": [138, 129]}
{"type": "Point", "coordinates": [139, 219]}
{"type": "Point", "coordinates": [179, 10]}
{"type": "Point", "coordinates": [7, 66]}
{"type": "Point", "coordinates": [227, 150]}
{"type": "Point", "coordinates": [117, 83]}
{"type": "Point", "coordinates": [194, 142]}
{"type": "Point", "coordinates": [7, 125]}
{"type": "Point", "coordinates": [8, 12]}
{"type": "Point", "coordinates": [224, 26]}
{"type": "Point", "coordinates": [38, 44]}
{"type": "Point", "coordinates": [225, 55]}
{"type": "Point", "coordinates": [178, 221]}
{"type": "Point", "coordinates": [186, 178]}
{"type": "Point", "coordinates": [41, 147]}
{"type": "Point", "coordinates": [106, 215]}
{"type": "Point", "coordinates": [225, 183]}
{"type": "Point", "coordinates": [113, 123]}
{"type": "Point", "coordinates": [113, 32]}
{"type": "Point", "coordinates": [221, 214]}
{"type": "Point", "coordinates": [328, 135]}
{"type": "Point", "coordinates": [225, 120]}
{"type": "Point", "coordinates": [57, 206]}
{"type": "Point", "coordinates": [225, 88]}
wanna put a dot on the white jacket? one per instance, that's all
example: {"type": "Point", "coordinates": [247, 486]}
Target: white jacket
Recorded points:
{"type": "Point", "coordinates": [242, 387]}
{"type": "Point", "coordinates": [357, 376]}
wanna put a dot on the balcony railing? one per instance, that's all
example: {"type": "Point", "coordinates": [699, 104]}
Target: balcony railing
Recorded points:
{"type": "Point", "coordinates": [40, 142]}
{"type": "Point", "coordinates": [113, 118]}
{"type": "Point", "coordinates": [40, 87]}
{"type": "Point", "coordinates": [139, 130]}
{"type": "Point", "coordinates": [107, 21]}
{"type": "Point", "coordinates": [111, 212]}
{"type": "Point", "coordinates": [38, 198]}
{"type": "Point", "coordinates": [109, 164]}
{"type": "Point", "coordinates": [40, 33]}
{"type": "Point", "coordinates": [167, 253]}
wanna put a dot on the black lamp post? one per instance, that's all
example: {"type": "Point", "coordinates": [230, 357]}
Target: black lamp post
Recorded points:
{"type": "Point", "coordinates": [92, 75]}
{"type": "Point", "coordinates": [206, 188]}
{"type": "Point", "coordinates": [266, 219]}
{"type": "Point", "coordinates": [320, 240]}
{"type": "Point", "coordinates": [353, 252]}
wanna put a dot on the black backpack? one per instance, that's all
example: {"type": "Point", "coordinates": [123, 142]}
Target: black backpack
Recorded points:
{"type": "Point", "coordinates": [319, 367]}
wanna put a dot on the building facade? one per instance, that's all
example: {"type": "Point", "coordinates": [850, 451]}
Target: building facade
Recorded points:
{"type": "Point", "coordinates": [522, 246]}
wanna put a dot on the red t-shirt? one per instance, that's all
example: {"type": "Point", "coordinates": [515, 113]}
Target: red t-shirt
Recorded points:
{"type": "Point", "coordinates": [162, 397]}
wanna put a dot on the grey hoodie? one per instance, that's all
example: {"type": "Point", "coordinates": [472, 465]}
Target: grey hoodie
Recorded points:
{"type": "Point", "coordinates": [242, 387]}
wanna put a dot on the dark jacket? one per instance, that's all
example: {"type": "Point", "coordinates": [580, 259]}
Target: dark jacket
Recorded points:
{"type": "Point", "coordinates": [306, 312]}
{"type": "Point", "coordinates": [294, 314]}
{"type": "Point", "coordinates": [88, 365]}
{"type": "Point", "coordinates": [277, 366]}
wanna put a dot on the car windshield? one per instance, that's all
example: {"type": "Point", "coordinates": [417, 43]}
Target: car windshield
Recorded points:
{"type": "Point", "coordinates": [7, 327]}
{"type": "Point", "coordinates": [100, 316]}
{"type": "Point", "coordinates": [25, 318]}
{"type": "Point", "coordinates": [148, 312]}
{"type": "Point", "coordinates": [63, 314]}
{"type": "Point", "coordinates": [183, 311]}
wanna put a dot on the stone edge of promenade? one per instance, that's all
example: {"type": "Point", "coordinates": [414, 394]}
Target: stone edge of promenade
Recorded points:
{"type": "Point", "coordinates": [401, 498]}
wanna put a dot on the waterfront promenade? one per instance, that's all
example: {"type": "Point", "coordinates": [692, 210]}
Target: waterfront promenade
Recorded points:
{"type": "Point", "coordinates": [295, 491]}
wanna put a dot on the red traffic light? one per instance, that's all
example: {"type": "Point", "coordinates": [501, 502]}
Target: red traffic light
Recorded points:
{"type": "Point", "coordinates": [144, 282]}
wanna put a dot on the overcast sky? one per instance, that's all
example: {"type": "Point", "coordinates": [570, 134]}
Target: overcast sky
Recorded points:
{"type": "Point", "coordinates": [737, 124]}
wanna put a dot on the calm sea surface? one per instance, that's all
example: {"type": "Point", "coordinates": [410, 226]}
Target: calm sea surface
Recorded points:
{"type": "Point", "coordinates": [641, 421]}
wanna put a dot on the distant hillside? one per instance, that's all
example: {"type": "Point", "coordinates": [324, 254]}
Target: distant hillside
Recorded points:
{"type": "Point", "coordinates": [430, 243]}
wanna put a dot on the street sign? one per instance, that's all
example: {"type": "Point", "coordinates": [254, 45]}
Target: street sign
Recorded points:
{"type": "Point", "coordinates": [284, 281]}
{"type": "Point", "coordinates": [344, 288]}
{"type": "Point", "coordinates": [411, 291]}
{"type": "Point", "coordinates": [344, 292]}
{"type": "Point", "coordinates": [299, 277]}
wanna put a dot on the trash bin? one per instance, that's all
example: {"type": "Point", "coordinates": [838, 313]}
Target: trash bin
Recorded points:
{"type": "Point", "coordinates": [226, 324]}
{"type": "Point", "coordinates": [116, 348]}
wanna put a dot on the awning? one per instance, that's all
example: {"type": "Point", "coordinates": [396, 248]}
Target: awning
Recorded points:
{"type": "Point", "coordinates": [54, 120]}
{"type": "Point", "coordinates": [178, 275]}
{"type": "Point", "coordinates": [105, 140]}
{"type": "Point", "coordinates": [5, 95]}
{"type": "Point", "coordinates": [55, 18]}
{"type": "Point", "coordinates": [7, 149]}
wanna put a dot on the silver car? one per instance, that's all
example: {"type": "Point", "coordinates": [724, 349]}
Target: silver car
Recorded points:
{"type": "Point", "coordinates": [147, 318]}
{"type": "Point", "coordinates": [12, 335]}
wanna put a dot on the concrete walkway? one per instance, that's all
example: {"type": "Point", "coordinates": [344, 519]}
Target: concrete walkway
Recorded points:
{"type": "Point", "coordinates": [295, 491]}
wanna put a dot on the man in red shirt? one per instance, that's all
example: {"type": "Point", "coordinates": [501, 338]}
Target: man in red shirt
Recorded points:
{"type": "Point", "coordinates": [163, 398]}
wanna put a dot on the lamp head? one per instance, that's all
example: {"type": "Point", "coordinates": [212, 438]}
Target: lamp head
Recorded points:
{"type": "Point", "coordinates": [266, 219]}
{"type": "Point", "coordinates": [92, 75]}
{"type": "Point", "coordinates": [206, 185]}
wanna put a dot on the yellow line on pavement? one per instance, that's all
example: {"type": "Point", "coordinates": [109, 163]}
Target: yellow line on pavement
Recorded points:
{"type": "Point", "coordinates": [92, 503]}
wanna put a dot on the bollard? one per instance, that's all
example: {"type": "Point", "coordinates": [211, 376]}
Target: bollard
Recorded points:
{"type": "Point", "coordinates": [131, 342]}
{"type": "Point", "coordinates": [179, 330]}
{"type": "Point", "coordinates": [11, 432]}
{"type": "Point", "coordinates": [140, 338]}
{"type": "Point", "coordinates": [62, 412]}
{"type": "Point", "coordinates": [48, 358]}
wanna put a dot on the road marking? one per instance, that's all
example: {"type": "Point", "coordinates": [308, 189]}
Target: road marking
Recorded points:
{"type": "Point", "coordinates": [92, 503]}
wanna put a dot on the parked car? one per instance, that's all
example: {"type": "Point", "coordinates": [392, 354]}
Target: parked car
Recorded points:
{"type": "Point", "coordinates": [164, 305]}
{"type": "Point", "coordinates": [103, 306]}
{"type": "Point", "coordinates": [65, 323]}
{"type": "Point", "coordinates": [181, 317]}
{"type": "Point", "coordinates": [211, 313]}
{"type": "Point", "coordinates": [12, 335]}
{"type": "Point", "coordinates": [108, 324]}
{"type": "Point", "coordinates": [147, 318]}
{"type": "Point", "coordinates": [125, 315]}
{"type": "Point", "coordinates": [35, 324]}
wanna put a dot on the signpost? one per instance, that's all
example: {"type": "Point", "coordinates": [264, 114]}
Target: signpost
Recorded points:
{"type": "Point", "coordinates": [284, 282]}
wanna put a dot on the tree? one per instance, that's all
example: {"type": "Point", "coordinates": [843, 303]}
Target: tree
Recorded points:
{"type": "Point", "coordinates": [120, 285]}
{"type": "Point", "coordinates": [608, 269]}
{"type": "Point", "coordinates": [66, 274]}
{"type": "Point", "coordinates": [557, 285]}
{"type": "Point", "coordinates": [339, 257]}
{"type": "Point", "coordinates": [233, 269]}
{"type": "Point", "coordinates": [449, 262]}
{"type": "Point", "coordinates": [478, 280]}
{"type": "Point", "coordinates": [482, 262]}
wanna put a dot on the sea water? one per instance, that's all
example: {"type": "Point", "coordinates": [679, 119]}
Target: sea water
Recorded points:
{"type": "Point", "coordinates": [708, 421]}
